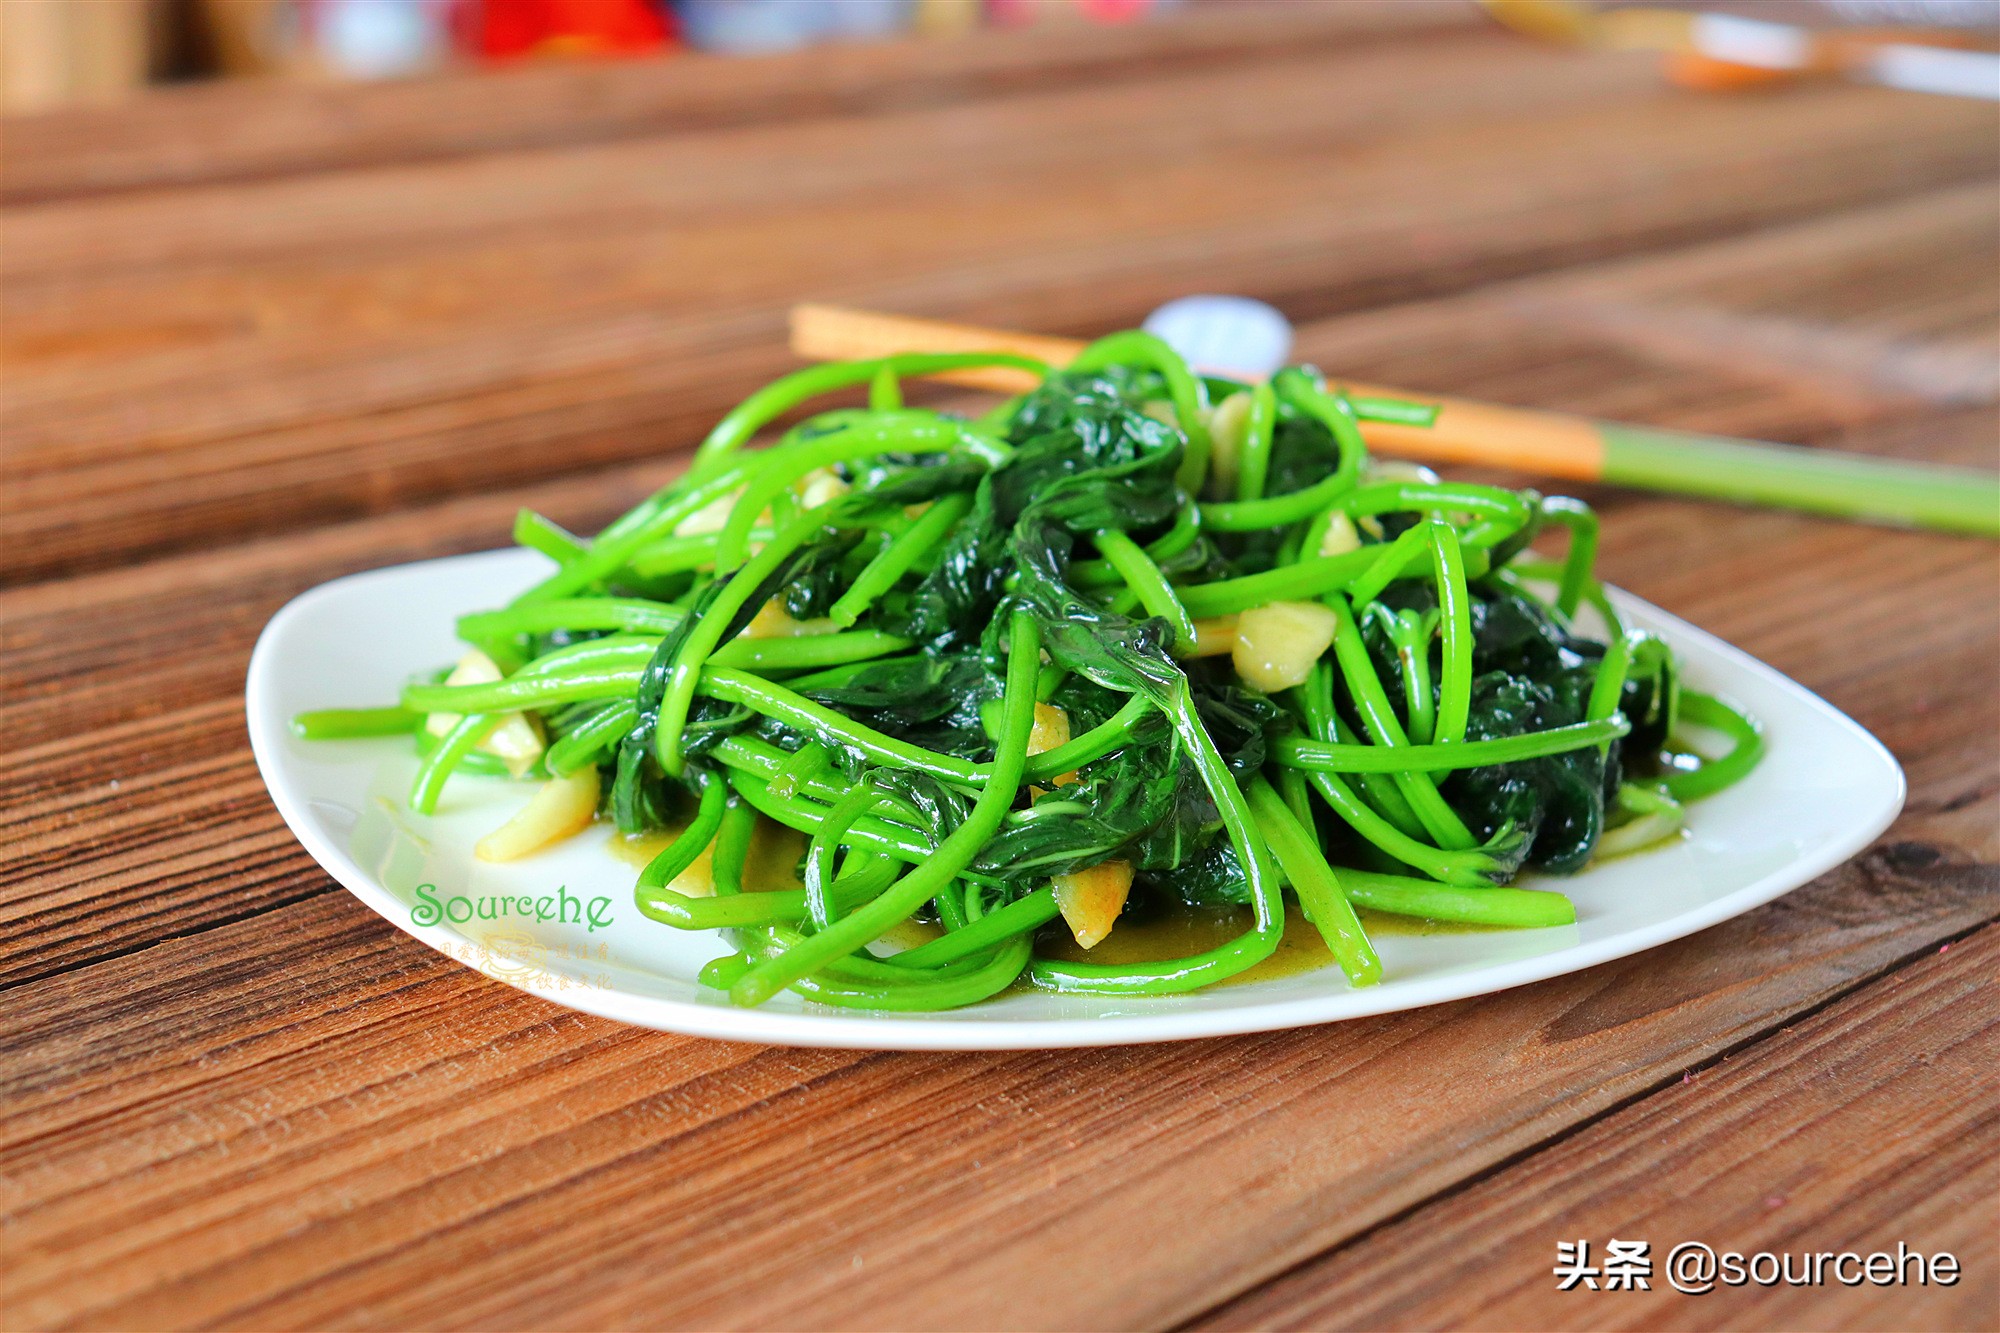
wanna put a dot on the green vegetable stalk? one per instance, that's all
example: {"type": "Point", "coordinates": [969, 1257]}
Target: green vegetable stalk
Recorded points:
{"type": "Point", "coordinates": [1030, 674]}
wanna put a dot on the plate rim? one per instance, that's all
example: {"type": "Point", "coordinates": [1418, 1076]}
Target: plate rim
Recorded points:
{"type": "Point", "coordinates": [850, 1031]}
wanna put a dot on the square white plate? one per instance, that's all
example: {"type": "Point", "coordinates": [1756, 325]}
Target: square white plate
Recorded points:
{"type": "Point", "coordinates": [1824, 790]}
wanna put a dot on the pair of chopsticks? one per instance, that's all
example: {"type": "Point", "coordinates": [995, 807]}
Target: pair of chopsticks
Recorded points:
{"type": "Point", "coordinates": [1547, 444]}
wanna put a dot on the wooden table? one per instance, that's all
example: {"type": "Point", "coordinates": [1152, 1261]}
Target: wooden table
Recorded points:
{"type": "Point", "coordinates": [258, 337]}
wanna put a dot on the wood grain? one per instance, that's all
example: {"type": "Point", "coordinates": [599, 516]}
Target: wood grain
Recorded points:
{"type": "Point", "coordinates": [230, 1141]}
{"type": "Point", "coordinates": [256, 338]}
{"type": "Point", "coordinates": [228, 131]}
{"type": "Point", "coordinates": [1898, 299]}
{"type": "Point", "coordinates": [538, 311]}
{"type": "Point", "coordinates": [1880, 308]}
{"type": "Point", "coordinates": [1895, 1083]}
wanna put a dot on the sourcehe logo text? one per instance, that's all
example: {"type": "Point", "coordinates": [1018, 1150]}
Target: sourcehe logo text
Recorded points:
{"type": "Point", "coordinates": [561, 906]}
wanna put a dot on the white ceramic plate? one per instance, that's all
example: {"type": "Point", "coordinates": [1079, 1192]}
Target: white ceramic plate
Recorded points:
{"type": "Point", "coordinates": [1825, 789]}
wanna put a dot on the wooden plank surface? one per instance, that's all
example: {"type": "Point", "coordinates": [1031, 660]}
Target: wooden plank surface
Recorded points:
{"type": "Point", "coordinates": [1879, 1080]}
{"type": "Point", "coordinates": [369, 327]}
{"type": "Point", "coordinates": [203, 133]}
{"type": "Point", "coordinates": [324, 346]}
{"type": "Point", "coordinates": [230, 1141]}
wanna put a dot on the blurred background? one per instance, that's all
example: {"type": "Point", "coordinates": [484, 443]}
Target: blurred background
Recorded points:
{"type": "Point", "coordinates": [270, 260]}
{"type": "Point", "coordinates": [59, 52]}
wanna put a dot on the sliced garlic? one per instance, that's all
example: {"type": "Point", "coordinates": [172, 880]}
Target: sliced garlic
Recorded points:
{"type": "Point", "coordinates": [516, 739]}
{"type": "Point", "coordinates": [1228, 425]}
{"type": "Point", "coordinates": [562, 807]}
{"type": "Point", "coordinates": [1092, 898]}
{"type": "Point", "coordinates": [773, 621]}
{"type": "Point", "coordinates": [1212, 637]}
{"type": "Point", "coordinates": [1051, 730]}
{"type": "Point", "coordinates": [711, 517]}
{"type": "Point", "coordinates": [475, 668]}
{"type": "Point", "coordinates": [817, 487]}
{"type": "Point", "coordinates": [1277, 644]}
{"type": "Point", "coordinates": [1341, 537]}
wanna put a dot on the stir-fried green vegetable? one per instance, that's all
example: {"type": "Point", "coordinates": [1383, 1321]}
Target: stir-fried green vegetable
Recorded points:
{"type": "Point", "coordinates": [1136, 638]}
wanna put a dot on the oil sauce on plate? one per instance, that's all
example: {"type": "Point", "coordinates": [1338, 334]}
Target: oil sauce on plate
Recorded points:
{"type": "Point", "coordinates": [1178, 934]}
{"type": "Point", "coordinates": [775, 852]}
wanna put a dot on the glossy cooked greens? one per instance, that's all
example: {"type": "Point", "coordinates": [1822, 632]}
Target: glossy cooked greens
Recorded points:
{"type": "Point", "coordinates": [983, 662]}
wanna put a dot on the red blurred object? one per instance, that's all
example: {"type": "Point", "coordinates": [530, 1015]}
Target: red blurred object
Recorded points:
{"type": "Point", "coordinates": [505, 29]}
{"type": "Point", "coordinates": [1117, 11]}
{"type": "Point", "coordinates": [1011, 13]}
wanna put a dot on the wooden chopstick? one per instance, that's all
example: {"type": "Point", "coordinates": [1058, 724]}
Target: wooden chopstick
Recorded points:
{"type": "Point", "coordinates": [1546, 444]}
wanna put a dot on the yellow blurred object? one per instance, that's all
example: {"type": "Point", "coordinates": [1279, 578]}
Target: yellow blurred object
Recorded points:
{"type": "Point", "coordinates": [1579, 23]}
{"type": "Point", "coordinates": [1645, 29]}
{"type": "Point", "coordinates": [937, 18]}
{"type": "Point", "coordinates": [54, 52]}
{"type": "Point", "coordinates": [1551, 20]}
